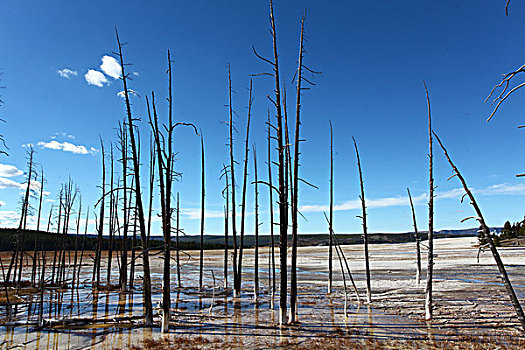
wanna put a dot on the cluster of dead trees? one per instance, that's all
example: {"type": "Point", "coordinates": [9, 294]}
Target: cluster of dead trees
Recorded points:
{"type": "Point", "coordinates": [122, 203]}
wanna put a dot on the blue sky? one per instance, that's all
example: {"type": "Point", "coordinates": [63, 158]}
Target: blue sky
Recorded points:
{"type": "Point", "coordinates": [373, 57]}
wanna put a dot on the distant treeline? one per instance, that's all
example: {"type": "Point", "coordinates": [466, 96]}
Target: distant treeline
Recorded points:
{"type": "Point", "coordinates": [50, 241]}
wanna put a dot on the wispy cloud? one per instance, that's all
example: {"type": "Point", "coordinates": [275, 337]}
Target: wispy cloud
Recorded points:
{"type": "Point", "coordinates": [2, 204]}
{"type": "Point", "coordinates": [67, 73]}
{"type": "Point", "coordinates": [62, 135]}
{"type": "Point", "coordinates": [111, 67]}
{"type": "Point", "coordinates": [504, 189]}
{"type": "Point", "coordinates": [67, 147]}
{"type": "Point", "coordinates": [28, 145]}
{"type": "Point", "coordinates": [94, 77]}
{"type": "Point", "coordinates": [195, 214]}
{"type": "Point", "coordinates": [9, 218]}
{"type": "Point", "coordinates": [8, 183]}
{"type": "Point", "coordinates": [372, 203]}
{"type": "Point", "coordinates": [7, 170]}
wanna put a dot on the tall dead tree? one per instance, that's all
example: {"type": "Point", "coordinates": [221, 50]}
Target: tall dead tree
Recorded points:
{"type": "Point", "coordinates": [365, 229]}
{"type": "Point", "coordinates": [123, 140]}
{"type": "Point", "coordinates": [236, 279]}
{"type": "Point", "coordinates": [167, 174]}
{"type": "Point", "coordinates": [177, 230]}
{"type": "Point", "coordinates": [40, 200]}
{"type": "Point", "coordinates": [271, 267]}
{"type": "Point", "coordinates": [430, 266]}
{"type": "Point", "coordinates": [486, 233]}
{"type": "Point", "coordinates": [256, 229]}
{"type": "Point", "coordinates": [282, 173]}
{"type": "Point", "coordinates": [18, 253]}
{"type": "Point", "coordinates": [100, 226]}
{"type": "Point", "coordinates": [203, 194]}
{"type": "Point", "coordinates": [243, 198]}
{"type": "Point", "coordinates": [418, 239]}
{"type": "Point", "coordinates": [112, 214]}
{"type": "Point", "coordinates": [146, 281]}
{"type": "Point", "coordinates": [295, 186]}
{"type": "Point", "coordinates": [226, 195]}
{"type": "Point", "coordinates": [331, 219]}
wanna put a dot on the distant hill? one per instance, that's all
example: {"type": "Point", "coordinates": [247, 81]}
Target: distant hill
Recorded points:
{"type": "Point", "coordinates": [49, 241]}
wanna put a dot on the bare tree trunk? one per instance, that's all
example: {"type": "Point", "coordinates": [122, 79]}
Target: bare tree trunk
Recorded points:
{"type": "Point", "coordinates": [177, 244]}
{"type": "Point", "coordinates": [430, 266]}
{"type": "Point", "coordinates": [330, 222]}
{"type": "Point", "coordinates": [365, 230]}
{"type": "Point", "coordinates": [416, 234]}
{"type": "Point", "coordinates": [283, 191]}
{"type": "Point", "coordinates": [256, 253]}
{"type": "Point", "coordinates": [40, 201]}
{"type": "Point", "coordinates": [243, 199]}
{"type": "Point", "coordinates": [486, 232]}
{"type": "Point", "coordinates": [49, 218]}
{"type": "Point", "coordinates": [100, 228]}
{"type": "Point", "coordinates": [112, 213]}
{"type": "Point", "coordinates": [148, 307]}
{"type": "Point", "coordinates": [123, 281]}
{"type": "Point", "coordinates": [295, 186]}
{"type": "Point", "coordinates": [226, 226]}
{"type": "Point", "coordinates": [236, 292]}
{"type": "Point", "coordinates": [270, 197]}
{"type": "Point", "coordinates": [203, 193]}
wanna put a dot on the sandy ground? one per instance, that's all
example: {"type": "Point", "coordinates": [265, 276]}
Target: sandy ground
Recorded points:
{"type": "Point", "coordinates": [470, 303]}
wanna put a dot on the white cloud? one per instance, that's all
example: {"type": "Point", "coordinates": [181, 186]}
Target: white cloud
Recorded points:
{"type": "Point", "coordinates": [195, 214]}
{"type": "Point", "coordinates": [67, 73]}
{"type": "Point", "coordinates": [111, 67]}
{"type": "Point", "coordinates": [66, 147]}
{"type": "Point", "coordinates": [130, 92]}
{"type": "Point", "coordinates": [7, 170]}
{"type": "Point", "coordinates": [27, 145]}
{"type": "Point", "coordinates": [8, 183]}
{"type": "Point", "coordinates": [508, 189]}
{"type": "Point", "coordinates": [94, 77]}
{"type": "Point", "coordinates": [9, 218]}
{"type": "Point", "coordinates": [2, 204]}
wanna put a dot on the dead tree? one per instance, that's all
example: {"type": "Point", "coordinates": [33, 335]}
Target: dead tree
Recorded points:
{"type": "Point", "coordinates": [365, 229]}
{"type": "Point", "coordinates": [112, 214]}
{"type": "Point", "coordinates": [18, 253]}
{"type": "Point", "coordinates": [295, 186]}
{"type": "Point", "coordinates": [330, 222]}
{"type": "Point", "coordinates": [271, 267]}
{"type": "Point", "coordinates": [123, 140]}
{"type": "Point", "coordinates": [40, 201]}
{"type": "Point", "coordinates": [486, 232]}
{"type": "Point", "coordinates": [418, 239]}
{"type": "Point", "coordinates": [256, 228]}
{"type": "Point", "coordinates": [177, 230]}
{"type": "Point", "coordinates": [167, 174]}
{"type": "Point", "coordinates": [430, 266]}
{"type": "Point", "coordinates": [236, 277]}
{"type": "Point", "coordinates": [203, 193]}
{"type": "Point", "coordinates": [225, 194]}
{"type": "Point", "coordinates": [243, 198]}
{"type": "Point", "coordinates": [100, 227]}
{"type": "Point", "coordinates": [146, 281]}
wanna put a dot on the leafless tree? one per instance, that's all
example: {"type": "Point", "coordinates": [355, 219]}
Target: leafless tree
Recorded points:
{"type": "Point", "coordinates": [203, 194]}
{"type": "Point", "coordinates": [243, 198]}
{"type": "Point", "coordinates": [256, 228]}
{"type": "Point", "coordinates": [331, 220]}
{"type": "Point", "coordinates": [486, 232]}
{"type": "Point", "coordinates": [100, 227]}
{"type": "Point", "coordinates": [418, 239]}
{"type": "Point", "coordinates": [365, 229]}
{"type": "Point", "coordinates": [430, 266]}
{"type": "Point", "coordinates": [146, 281]}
